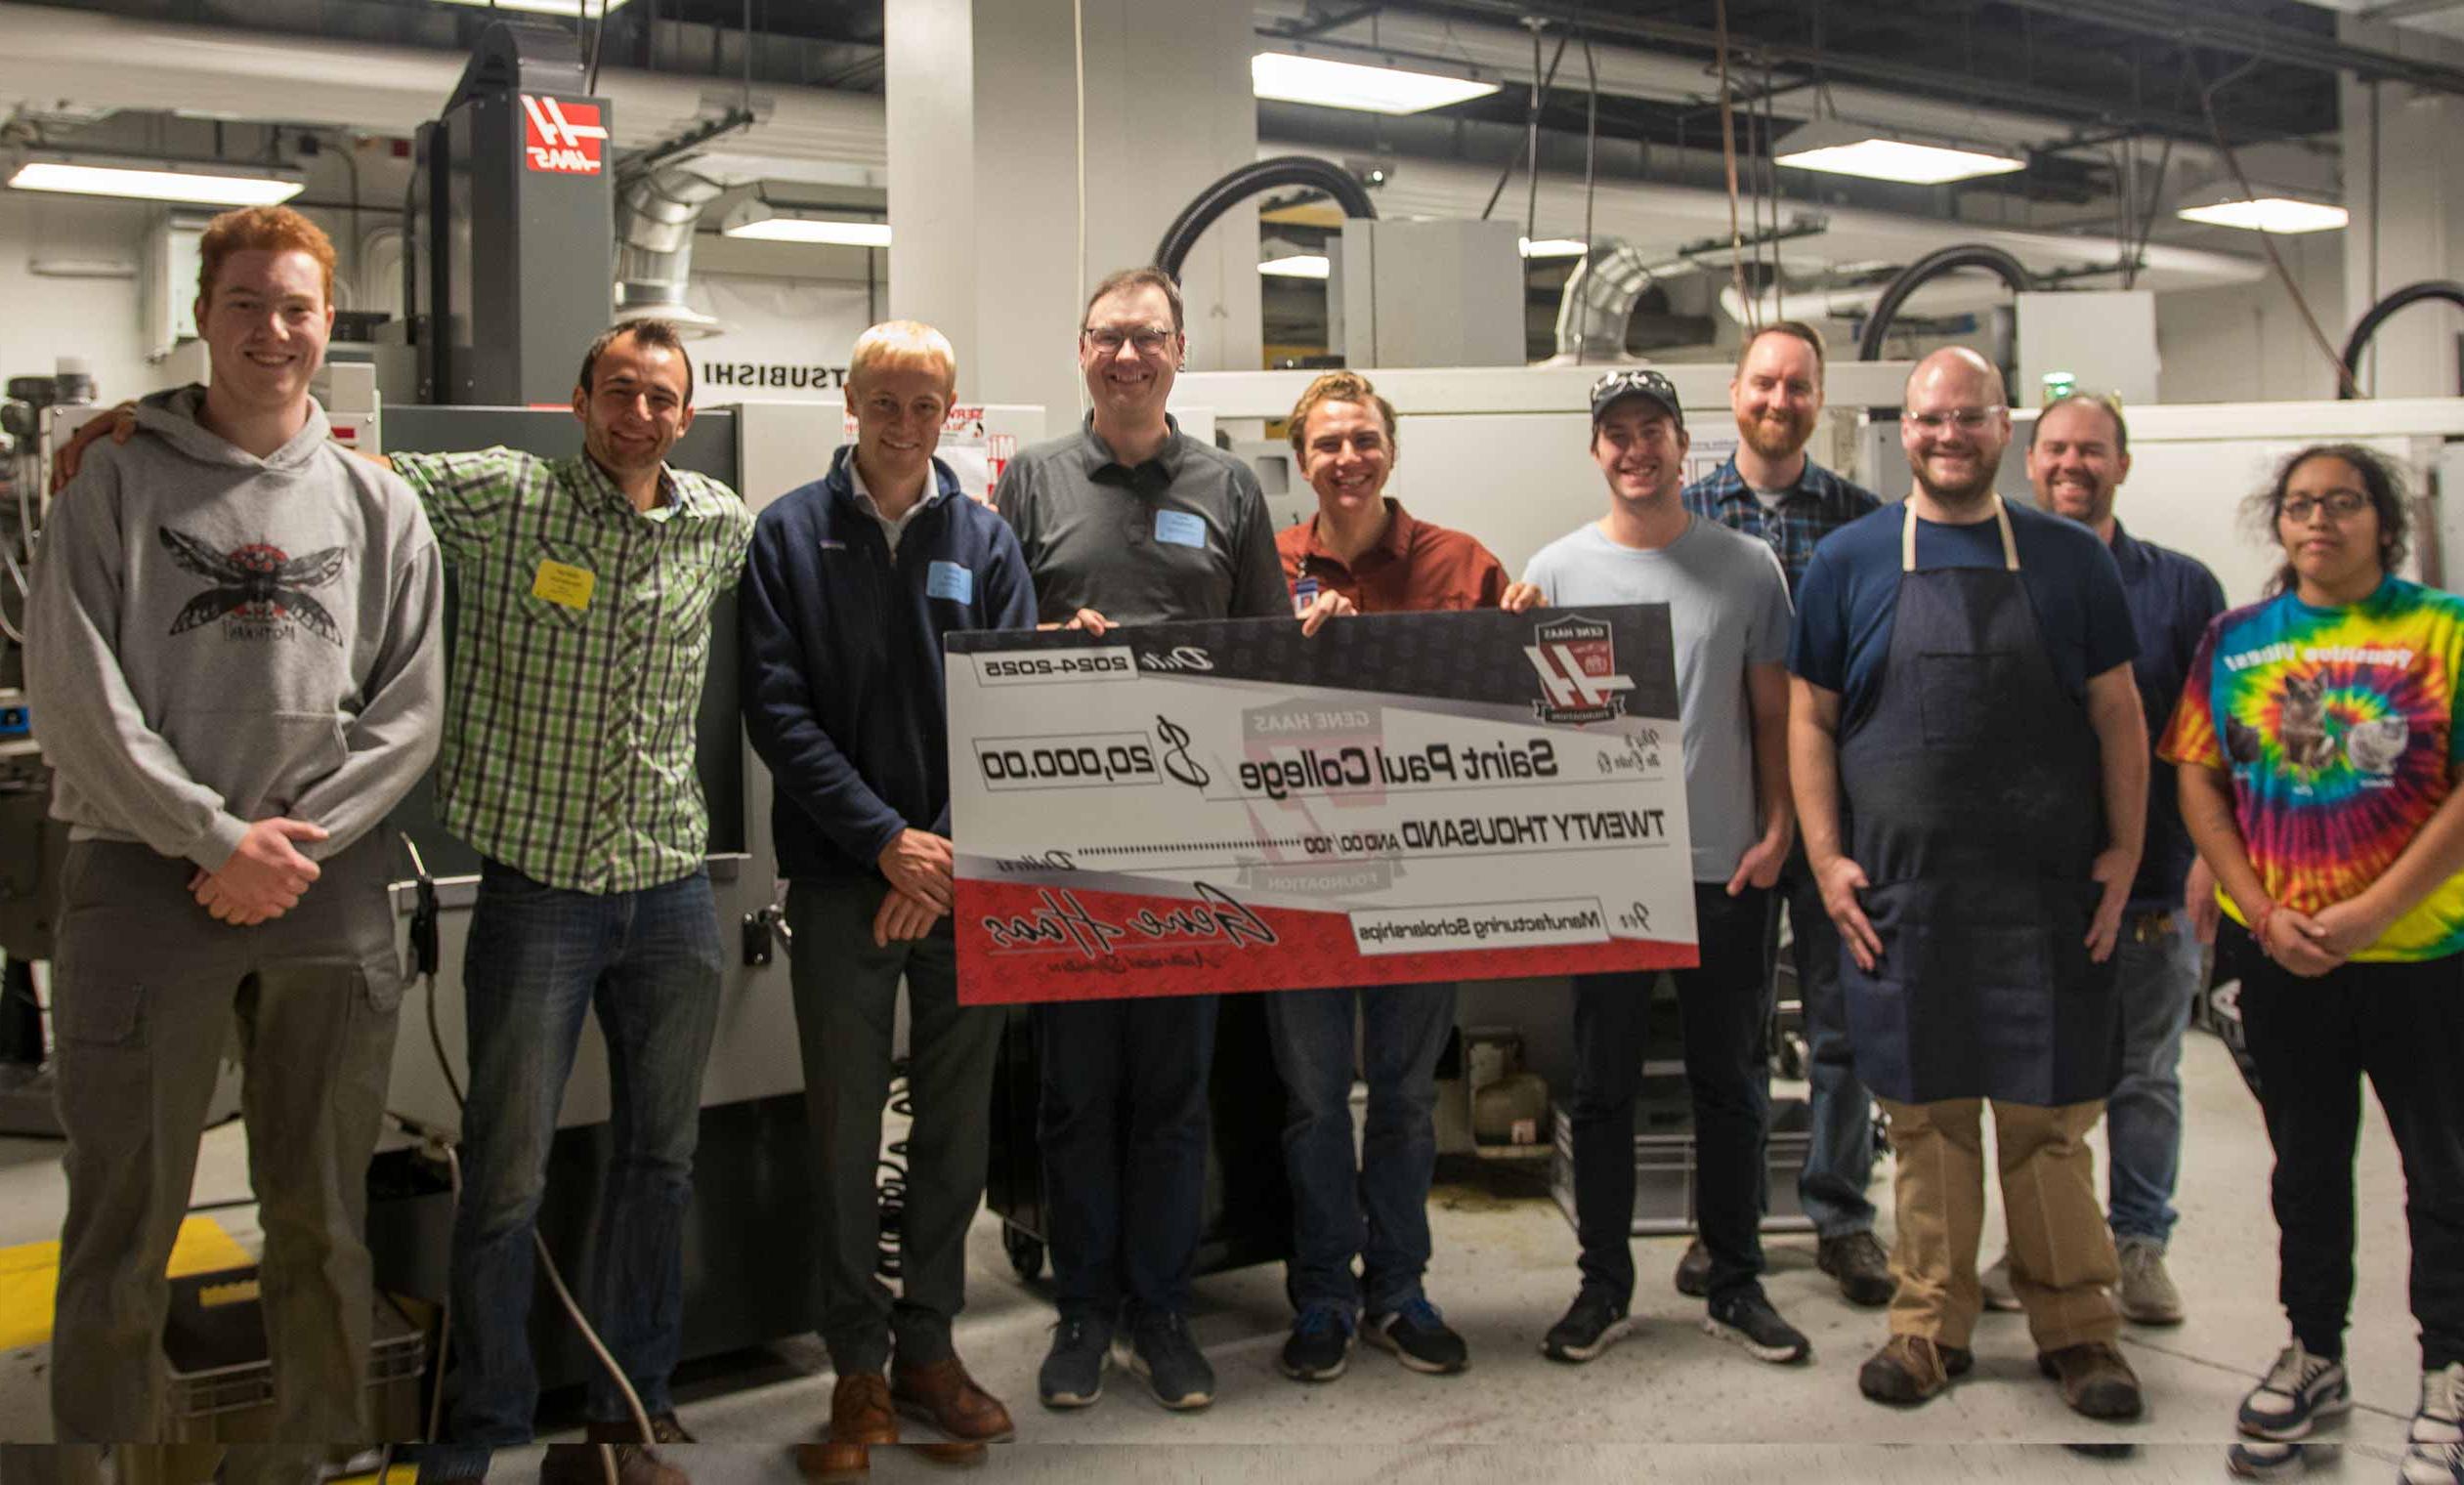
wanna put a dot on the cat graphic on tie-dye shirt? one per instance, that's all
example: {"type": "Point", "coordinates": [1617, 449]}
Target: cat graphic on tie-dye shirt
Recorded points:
{"type": "Point", "coordinates": [2337, 729]}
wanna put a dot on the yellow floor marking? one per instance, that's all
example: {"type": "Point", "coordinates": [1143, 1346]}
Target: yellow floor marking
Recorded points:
{"type": "Point", "coordinates": [31, 1271]}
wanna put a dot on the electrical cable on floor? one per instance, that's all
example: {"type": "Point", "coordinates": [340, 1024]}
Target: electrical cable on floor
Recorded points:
{"type": "Point", "coordinates": [425, 954]}
{"type": "Point", "coordinates": [892, 1174]}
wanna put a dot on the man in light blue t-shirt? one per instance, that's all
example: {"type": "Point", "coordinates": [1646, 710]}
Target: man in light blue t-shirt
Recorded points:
{"type": "Point", "coordinates": [1728, 611]}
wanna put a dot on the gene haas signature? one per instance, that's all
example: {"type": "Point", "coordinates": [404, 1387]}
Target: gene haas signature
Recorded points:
{"type": "Point", "coordinates": [1062, 923]}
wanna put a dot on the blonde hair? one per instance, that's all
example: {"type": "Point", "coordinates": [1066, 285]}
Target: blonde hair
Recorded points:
{"type": "Point", "coordinates": [1337, 386]}
{"type": "Point", "coordinates": [909, 343]}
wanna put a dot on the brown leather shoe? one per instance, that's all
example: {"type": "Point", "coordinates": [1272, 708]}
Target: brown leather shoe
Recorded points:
{"type": "Point", "coordinates": [2096, 1382]}
{"type": "Point", "coordinates": [941, 1393]}
{"type": "Point", "coordinates": [1910, 1369]}
{"type": "Point", "coordinates": [860, 1417]}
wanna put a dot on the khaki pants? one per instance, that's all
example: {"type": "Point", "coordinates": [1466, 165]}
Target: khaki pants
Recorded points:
{"type": "Point", "coordinates": [147, 990]}
{"type": "Point", "coordinates": [165, 1464]}
{"type": "Point", "coordinates": [2062, 1265]}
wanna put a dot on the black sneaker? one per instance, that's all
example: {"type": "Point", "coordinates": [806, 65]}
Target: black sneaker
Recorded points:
{"type": "Point", "coordinates": [1159, 1350]}
{"type": "Point", "coordinates": [1747, 1319]}
{"type": "Point", "coordinates": [1860, 1265]}
{"type": "Point", "coordinates": [2297, 1393]}
{"type": "Point", "coordinates": [1693, 1271]}
{"type": "Point", "coordinates": [1593, 1325]}
{"type": "Point", "coordinates": [1321, 1345]}
{"type": "Point", "coordinates": [1420, 1338]}
{"type": "Point", "coordinates": [1073, 1375]}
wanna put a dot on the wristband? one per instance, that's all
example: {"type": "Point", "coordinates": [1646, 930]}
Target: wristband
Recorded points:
{"type": "Point", "coordinates": [2258, 930]}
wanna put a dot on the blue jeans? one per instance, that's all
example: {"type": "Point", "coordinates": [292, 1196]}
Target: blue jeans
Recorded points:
{"type": "Point", "coordinates": [1840, 1153]}
{"type": "Point", "coordinates": [650, 963]}
{"type": "Point", "coordinates": [1378, 1213]}
{"type": "Point", "coordinates": [2157, 979]}
{"type": "Point", "coordinates": [1123, 1124]}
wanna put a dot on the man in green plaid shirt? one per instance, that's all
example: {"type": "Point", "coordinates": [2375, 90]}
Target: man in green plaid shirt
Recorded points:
{"type": "Point", "coordinates": [586, 587]}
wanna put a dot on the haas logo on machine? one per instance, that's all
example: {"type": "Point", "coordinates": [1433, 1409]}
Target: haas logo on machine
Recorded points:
{"type": "Point", "coordinates": [559, 137]}
{"type": "Point", "coordinates": [1577, 661]}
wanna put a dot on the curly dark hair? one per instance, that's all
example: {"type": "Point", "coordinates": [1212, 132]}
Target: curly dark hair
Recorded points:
{"type": "Point", "coordinates": [2380, 481]}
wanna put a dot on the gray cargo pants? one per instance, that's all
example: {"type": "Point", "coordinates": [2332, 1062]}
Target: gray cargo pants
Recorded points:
{"type": "Point", "coordinates": [146, 988]}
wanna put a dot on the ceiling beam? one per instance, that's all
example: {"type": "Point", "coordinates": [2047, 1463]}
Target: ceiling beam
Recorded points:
{"type": "Point", "coordinates": [2260, 39]}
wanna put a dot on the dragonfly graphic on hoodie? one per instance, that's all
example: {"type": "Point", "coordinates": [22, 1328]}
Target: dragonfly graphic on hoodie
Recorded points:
{"type": "Point", "coordinates": [258, 586]}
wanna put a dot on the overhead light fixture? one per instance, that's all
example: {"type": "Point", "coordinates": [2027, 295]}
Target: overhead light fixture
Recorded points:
{"type": "Point", "coordinates": [1553, 248]}
{"type": "Point", "coordinates": [2268, 211]}
{"type": "Point", "coordinates": [1331, 84]}
{"type": "Point", "coordinates": [197, 182]}
{"type": "Point", "coordinates": [762, 221]}
{"type": "Point", "coordinates": [1297, 266]}
{"type": "Point", "coordinates": [587, 10]}
{"type": "Point", "coordinates": [1839, 148]}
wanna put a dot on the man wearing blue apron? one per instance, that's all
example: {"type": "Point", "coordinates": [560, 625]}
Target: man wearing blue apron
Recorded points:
{"type": "Point", "coordinates": [1971, 773]}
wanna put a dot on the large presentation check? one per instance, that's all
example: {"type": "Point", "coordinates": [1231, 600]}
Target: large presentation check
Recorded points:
{"type": "Point", "coordinates": [1182, 808]}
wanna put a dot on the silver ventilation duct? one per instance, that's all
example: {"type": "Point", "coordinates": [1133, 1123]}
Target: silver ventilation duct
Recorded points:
{"type": "Point", "coordinates": [1599, 301]}
{"type": "Point", "coordinates": [656, 214]}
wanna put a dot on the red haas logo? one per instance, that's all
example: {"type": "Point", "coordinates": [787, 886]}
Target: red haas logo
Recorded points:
{"type": "Point", "coordinates": [1577, 661]}
{"type": "Point", "coordinates": [559, 137]}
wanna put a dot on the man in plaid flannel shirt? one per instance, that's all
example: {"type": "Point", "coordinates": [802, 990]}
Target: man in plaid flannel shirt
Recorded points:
{"type": "Point", "coordinates": [585, 587]}
{"type": "Point", "coordinates": [1770, 490]}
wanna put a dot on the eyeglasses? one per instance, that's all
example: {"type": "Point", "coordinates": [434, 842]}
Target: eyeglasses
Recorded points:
{"type": "Point", "coordinates": [1965, 419]}
{"type": "Point", "coordinates": [1108, 339]}
{"type": "Point", "coordinates": [2343, 504]}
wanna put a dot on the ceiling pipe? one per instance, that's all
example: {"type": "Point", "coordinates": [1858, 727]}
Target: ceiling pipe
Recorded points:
{"type": "Point", "coordinates": [656, 214]}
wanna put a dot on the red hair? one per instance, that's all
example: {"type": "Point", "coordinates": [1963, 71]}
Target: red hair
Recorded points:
{"type": "Point", "coordinates": [260, 229]}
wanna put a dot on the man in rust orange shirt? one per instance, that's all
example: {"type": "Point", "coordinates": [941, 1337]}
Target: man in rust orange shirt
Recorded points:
{"type": "Point", "coordinates": [1364, 551]}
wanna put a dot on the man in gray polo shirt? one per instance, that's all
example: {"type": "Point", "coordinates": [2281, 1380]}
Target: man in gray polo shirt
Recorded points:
{"type": "Point", "coordinates": [1128, 520]}
{"type": "Point", "coordinates": [1728, 611]}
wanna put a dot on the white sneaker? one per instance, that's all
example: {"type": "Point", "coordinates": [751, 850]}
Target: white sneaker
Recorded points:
{"type": "Point", "coordinates": [2298, 1393]}
{"type": "Point", "coordinates": [2433, 1453]}
{"type": "Point", "coordinates": [2148, 1296]}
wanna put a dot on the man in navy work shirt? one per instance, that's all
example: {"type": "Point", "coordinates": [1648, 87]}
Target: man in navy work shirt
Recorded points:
{"type": "Point", "coordinates": [1971, 772]}
{"type": "Point", "coordinates": [1771, 491]}
{"type": "Point", "coordinates": [1129, 521]}
{"type": "Point", "coordinates": [850, 587]}
{"type": "Point", "coordinates": [2078, 455]}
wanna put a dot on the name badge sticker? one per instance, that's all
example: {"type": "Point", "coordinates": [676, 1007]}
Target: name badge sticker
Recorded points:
{"type": "Point", "coordinates": [1181, 528]}
{"type": "Point", "coordinates": [567, 586]}
{"type": "Point", "coordinates": [947, 579]}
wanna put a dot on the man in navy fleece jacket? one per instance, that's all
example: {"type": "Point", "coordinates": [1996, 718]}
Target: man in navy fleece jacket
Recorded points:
{"type": "Point", "coordinates": [852, 581]}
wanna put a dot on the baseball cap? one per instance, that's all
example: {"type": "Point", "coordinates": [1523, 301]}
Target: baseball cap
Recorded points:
{"type": "Point", "coordinates": [1638, 381]}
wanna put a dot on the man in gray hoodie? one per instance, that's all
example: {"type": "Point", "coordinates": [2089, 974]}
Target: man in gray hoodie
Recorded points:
{"type": "Point", "coordinates": [234, 670]}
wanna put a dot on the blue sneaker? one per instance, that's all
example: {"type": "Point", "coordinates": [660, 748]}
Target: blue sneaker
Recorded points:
{"type": "Point", "coordinates": [1321, 1345]}
{"type": "Point", "coordinates": [1420, 1338]}
{"type": "Point", "coordinates": [2299, 1391]}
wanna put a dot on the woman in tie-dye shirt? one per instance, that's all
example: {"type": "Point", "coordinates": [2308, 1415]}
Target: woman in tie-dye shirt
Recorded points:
{"type": "Point", "coordinates": [2318, 752]}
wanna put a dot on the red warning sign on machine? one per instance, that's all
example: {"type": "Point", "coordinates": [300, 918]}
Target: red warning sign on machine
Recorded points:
{"type": "Point", "coordinates": [562, 137]}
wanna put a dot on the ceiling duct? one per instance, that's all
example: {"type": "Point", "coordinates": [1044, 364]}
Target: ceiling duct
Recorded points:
{"type": "Point", "coordinates": [1599, 301]}
{"type": "Point", "coordinates": [656, 211]}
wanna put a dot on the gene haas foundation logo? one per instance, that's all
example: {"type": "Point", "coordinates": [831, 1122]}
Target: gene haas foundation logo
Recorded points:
{"type": "Point", "coordinates": [1577, 661]}
{"type": "Point", "coordinates": [559, 137]}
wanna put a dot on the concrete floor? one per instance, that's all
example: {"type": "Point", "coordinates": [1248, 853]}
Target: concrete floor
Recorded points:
{"type": "Point", "coordinates": [1670, 1402]}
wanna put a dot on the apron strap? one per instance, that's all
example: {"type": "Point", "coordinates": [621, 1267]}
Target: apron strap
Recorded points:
{"type": "Point", "coordinates": [1908, 536]}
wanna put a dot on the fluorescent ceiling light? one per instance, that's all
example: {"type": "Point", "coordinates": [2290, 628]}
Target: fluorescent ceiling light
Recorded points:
{"type": "Point", "coordinates": [1552, 247]}
{"type": "Point", "coordinates": [2268, 214]}
{"type": "Point", "coordinates": [1331, 84]}
{"type": "Point", "coordinates": [1298, 266]}
{"type": "Point", "coordinates": [589, 10]}
{"type": "Point", "coordinates": [762, 221]}
{"type": "Point", "coordinates": [156, 181]}
{"type": "Point", "coordinates": [1842, 148]}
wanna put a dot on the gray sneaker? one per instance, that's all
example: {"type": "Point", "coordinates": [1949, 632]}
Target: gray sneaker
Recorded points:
{"type": "Point", "coordinates": [1995, 1282]}
{"type": "Point", "coordinates": [2148, 1296]}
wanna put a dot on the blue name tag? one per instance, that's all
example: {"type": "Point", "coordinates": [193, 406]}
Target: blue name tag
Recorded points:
{"type": "Point", "coordinates": [1181, 528]}
{"type": "Point", "coordinates": [947, 579]}
{"type": "Point", "coordinates": [1303, 593]}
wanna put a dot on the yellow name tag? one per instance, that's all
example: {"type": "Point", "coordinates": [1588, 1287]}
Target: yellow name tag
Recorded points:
{"type": "Point", "coordinates": [562, 584]}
